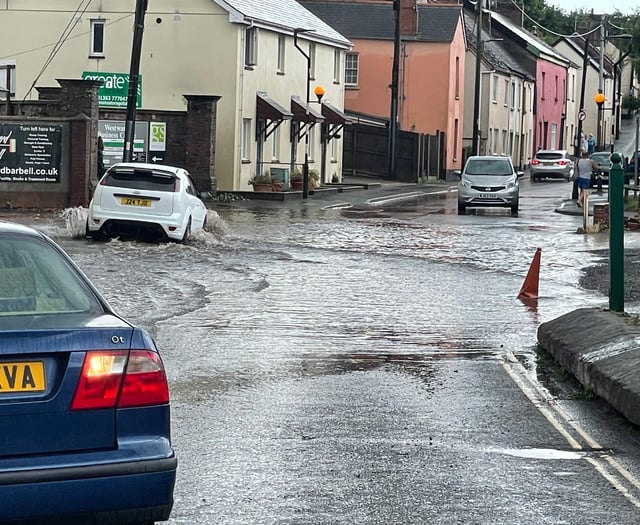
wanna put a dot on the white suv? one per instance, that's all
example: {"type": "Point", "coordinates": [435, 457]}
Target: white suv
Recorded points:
{"type": "Point", "coordinates": [134, 198]}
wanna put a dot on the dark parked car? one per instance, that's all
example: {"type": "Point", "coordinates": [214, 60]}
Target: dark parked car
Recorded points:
{"type": "Point", "coordinates": [84, 400]}
{"type": "Point", "coordinates": [602, 160]}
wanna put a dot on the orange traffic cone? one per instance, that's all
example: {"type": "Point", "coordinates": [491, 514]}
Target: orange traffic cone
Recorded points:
{"type": "Point", "coordinates": [529, 288]}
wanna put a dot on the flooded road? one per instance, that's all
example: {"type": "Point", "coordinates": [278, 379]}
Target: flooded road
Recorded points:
{"type": "Point", "coordinates": [332, 369]}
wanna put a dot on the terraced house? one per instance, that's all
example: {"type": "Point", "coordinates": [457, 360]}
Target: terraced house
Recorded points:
{"type": "Point", "coordinates": [239, 55]}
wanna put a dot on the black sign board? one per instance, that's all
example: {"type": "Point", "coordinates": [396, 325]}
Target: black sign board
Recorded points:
{"type": "Point", "coordinates": [30, 152]}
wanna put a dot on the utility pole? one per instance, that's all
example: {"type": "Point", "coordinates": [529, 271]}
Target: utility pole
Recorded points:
{"type": "Point", "coordinates": [132, 95]}
{"type": "Point", "coordinates": [599, 137]}
{"type": "Point", "coordinates": [393, 119]}
{"type": "Point", "coordinates": [475, 144]}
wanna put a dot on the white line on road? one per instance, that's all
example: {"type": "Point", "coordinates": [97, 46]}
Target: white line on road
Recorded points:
{"type": "Point", "coordinates": [608, 467]}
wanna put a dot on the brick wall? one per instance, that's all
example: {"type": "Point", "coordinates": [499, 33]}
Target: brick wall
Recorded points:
{"type": "Point", "coordinates": [190, 142]}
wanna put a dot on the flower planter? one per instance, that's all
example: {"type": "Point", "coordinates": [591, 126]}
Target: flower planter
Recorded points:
{"type": "Point", "coordinates": [262, 186]}
{"type": "Point", "coordinates": [296, 185]}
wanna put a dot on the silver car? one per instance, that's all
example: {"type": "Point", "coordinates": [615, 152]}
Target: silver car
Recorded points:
{"type": "Point", "coordinates": [551, 164]}
{"type": "Point", "coordinates": [489, 181]}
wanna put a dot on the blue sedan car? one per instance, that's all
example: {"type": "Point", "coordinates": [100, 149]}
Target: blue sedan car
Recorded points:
{"type": "Point", "coordinates": [84, 400]}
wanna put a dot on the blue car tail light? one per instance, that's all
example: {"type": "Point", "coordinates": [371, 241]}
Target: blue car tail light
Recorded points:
{"type": "Point", "coordinates": [121, 379]}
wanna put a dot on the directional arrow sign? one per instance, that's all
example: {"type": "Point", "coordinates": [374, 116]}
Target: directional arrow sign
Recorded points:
{"type": "Point", "coordinates": [582, 115]}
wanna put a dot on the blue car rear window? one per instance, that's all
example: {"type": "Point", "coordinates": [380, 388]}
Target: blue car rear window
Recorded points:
{"type": "Point", "coordinates": [36, 279]}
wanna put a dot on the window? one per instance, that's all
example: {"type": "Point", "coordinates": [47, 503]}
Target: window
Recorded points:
{"type": "Point", "coordinates": [251, 47]}
{"type": "Point", "coordinates": [543, 86]}
{"type": "Point", "coordinates": [246, 139]}
{"type": "Point", "coordinates": [312, 141]}
{"type": "Point", "coordinates": [494, 88]}
{"type": "Point", "coordinates": [455, 139]}
{"type": "Point", "coordinates": [513, 94]}
{"type": "Point", "coordinates": [97, 38]}
{"type": "Point", "coordinates": [351, 69]}
{"type": "Point", "coordinates": [336, 66]}
{"type": "Point", "coordinates": [334, 150]}
{"type": "Point", "coordinates": [281, 46]}
{"type": "Point", "coordinates": [555, 88]}
{"type": "Point", "coordinates": [506, 92]}
{"type": "Point", "coordinates": [7, 79]}
{"type": "Point", "coordinates": [554, 136]}
{"type": "Point", "coordinates": [312, 61]}
{"type": "Point", "coordinates": [457, 80]}
{"type": "Point", "coordinates": [275, 144]}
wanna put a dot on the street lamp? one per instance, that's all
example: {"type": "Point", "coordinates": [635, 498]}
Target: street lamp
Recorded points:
{"type": "Point", "coordinates": [599, 100]}
{"type": "Point", "coordinates": [305, 168]}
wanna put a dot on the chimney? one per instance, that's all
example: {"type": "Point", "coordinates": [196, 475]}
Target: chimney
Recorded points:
{"type": "Point", "coordinates": [408, 17]}
{"type": "Point", "coordinates": [508, 9]}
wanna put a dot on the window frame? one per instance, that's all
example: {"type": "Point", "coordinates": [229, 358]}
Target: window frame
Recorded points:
{"type": "Point", "coordinates": [336, 66]}
{"type": "Point", "coordinates": [282, 42]}
{"type": "Point", "coordinates": [351, 70]}
{"type": "Point", "coordinates": [251, 47]}
{"type": "Point", "coordinates": [97, 38]}
{"type": "Point", "coordinates": [245, 142]}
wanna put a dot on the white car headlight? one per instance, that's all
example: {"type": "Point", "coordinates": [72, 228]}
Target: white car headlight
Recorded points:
{"type": "Point", "coordinates": [466, 183]}
{"type": "Point", "coordinates": [512, 183]}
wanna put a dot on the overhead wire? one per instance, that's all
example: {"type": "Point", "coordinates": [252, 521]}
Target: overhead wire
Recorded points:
{"type": "Point", "coordinates": [58, 45]}
{"type": "Point", "coordinates": [549, 30]}
{"type": "Point", "coordinates": [77, 35]}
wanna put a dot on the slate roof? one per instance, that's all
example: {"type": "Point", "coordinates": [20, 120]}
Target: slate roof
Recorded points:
{"type": "Point", "coordinates": [577, 44]}
{"type": "Point", "coordinates": [283, 15]}
{"type": "Point", "coordinates": [496, 54]}
{"type": "Point", "coordinates": [377, 21]}
{"type": "Point", "coordinates": [532, 42]}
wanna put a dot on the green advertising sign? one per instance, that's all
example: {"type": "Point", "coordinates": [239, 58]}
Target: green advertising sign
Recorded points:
{"type": "Point", "coordinates": [115, 88]}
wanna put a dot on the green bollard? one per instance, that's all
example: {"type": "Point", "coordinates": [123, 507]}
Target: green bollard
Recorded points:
{"type": "Point", "coordinates": [616, 235]}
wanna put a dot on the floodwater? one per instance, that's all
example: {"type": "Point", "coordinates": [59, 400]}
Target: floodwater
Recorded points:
{"type": "Point", "coordinates": [326, 368]}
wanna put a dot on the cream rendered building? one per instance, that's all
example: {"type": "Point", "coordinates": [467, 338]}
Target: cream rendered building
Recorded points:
{"type": "Point", "coordinates": [505, 107]}
{"type": "Point", "coordinates": [240, 50]}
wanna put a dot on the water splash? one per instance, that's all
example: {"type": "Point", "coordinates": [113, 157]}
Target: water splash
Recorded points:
{"type": "Point", "coordinates": [75, 220]}
{"type": "Point", "coordinates": [215, 223]}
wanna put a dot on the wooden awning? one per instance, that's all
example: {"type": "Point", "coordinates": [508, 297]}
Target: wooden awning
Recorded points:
{"type": "Point", "coordinates": [269, 109]}
{"type": "Point", "coordinates": [299, 110]}
{"type": "Point", "coordinates": [333, 115]}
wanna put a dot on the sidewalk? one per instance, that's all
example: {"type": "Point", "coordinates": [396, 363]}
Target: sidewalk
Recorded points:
{"type": "Point", "coordinates": [599, 347]}
{"type": "Point", "coordinates": [354, 193]}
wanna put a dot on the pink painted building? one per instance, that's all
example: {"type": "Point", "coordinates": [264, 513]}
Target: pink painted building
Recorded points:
{"type": "Point", "coordinates": [549, 68]}
{"type": "Point", "coordinates": [431, 69]}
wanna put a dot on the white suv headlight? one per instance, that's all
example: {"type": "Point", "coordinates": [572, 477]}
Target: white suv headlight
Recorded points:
{"type": "Point", "coordinates": [465, 182]}
{"type": "Point", "coordinates": [512, 183]}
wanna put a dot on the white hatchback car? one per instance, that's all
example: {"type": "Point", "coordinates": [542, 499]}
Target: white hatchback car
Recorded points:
{"type": "Point", "coordinates": [134, 198]}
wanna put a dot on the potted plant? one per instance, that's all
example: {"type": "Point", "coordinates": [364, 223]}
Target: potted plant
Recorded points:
{"type": "Point", "coordinates": [276, 184]}
{"type": "Point", "coordinates": [261, 182]}
{"type": "Point", "coordinates": [297, 178]}
{"type": "Point", "coordinates": [314, 179]}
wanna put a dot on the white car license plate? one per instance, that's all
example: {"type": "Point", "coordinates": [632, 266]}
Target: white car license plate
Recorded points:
{"type": "Point", "coordinates": [488, 195]}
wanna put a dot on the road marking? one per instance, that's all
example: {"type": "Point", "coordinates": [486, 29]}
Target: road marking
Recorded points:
{"type": "Point", "coordinates": [607, 466]}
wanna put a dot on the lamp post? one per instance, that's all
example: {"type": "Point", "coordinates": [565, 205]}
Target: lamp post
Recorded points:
{"type": "Point", "coordinates": [599, 100]}
{"type": "Point", "coordinates": [305, 167]}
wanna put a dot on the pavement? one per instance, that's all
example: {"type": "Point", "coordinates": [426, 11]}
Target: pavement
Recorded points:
{"type": "Point", "coordinates": [600, 347]}
{"type": "Point", "coordinates": [357, 195]}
